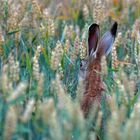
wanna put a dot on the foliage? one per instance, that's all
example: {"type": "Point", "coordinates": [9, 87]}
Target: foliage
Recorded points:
{"type": "Point", "coordinates": [41, 46]}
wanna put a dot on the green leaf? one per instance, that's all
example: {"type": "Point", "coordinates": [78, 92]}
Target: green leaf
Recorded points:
{"type": "Point", "coordinates": [13, 31]}
{"type": "Point", "coordinates": [28, 63]}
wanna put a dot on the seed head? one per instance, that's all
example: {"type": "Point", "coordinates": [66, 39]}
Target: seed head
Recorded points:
{"type": "Point", "coordinates": [10, 123]}
{"type": "Point", "coordinates": [56, 56]}
{"type": "Point", "coordinates": [28, 111]}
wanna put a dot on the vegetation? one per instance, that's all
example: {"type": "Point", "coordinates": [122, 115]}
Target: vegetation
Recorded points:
{"type": "Point", "coordinates": [41, 46]}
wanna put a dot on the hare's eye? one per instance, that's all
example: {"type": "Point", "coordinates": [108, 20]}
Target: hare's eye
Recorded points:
{"type": "Point", "coordinates": [81, 64]}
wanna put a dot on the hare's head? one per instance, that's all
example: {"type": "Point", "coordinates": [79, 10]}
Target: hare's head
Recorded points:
{"type": "Point", "coordinates": [97, 47]}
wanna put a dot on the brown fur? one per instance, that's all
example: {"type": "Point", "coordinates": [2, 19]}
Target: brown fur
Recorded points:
{"type": "Point", "coordinates": [94, 86]}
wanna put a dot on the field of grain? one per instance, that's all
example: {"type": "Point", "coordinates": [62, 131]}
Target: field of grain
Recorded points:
{"type": "Point", "coordinates": [42, 43]}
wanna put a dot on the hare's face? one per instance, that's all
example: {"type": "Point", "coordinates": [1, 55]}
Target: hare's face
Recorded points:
{"type": "Point", "coordinates": [83, 70]}
{"type": "Point", "coordinates": [97, 47]}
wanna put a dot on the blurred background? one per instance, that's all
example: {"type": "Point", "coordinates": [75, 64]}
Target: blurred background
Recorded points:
{"type": "Point", "coordinates": [42, 43]}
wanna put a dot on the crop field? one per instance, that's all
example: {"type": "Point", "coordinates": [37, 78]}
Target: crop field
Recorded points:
{"type": "Point", "coordinates": [42, 46]}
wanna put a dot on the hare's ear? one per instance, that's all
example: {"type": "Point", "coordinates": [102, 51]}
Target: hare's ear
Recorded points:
{"type": "Point", "coordinates": [106, 42]}
{"type": "Point", "coordinates": [93, 37]}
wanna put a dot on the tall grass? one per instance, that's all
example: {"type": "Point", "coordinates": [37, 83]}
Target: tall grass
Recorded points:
{"type": "Point", "coordinates": [41, 46]}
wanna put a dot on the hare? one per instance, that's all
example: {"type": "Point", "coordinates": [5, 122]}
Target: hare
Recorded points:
{"type": "Point", "coordinates": [91, 67]}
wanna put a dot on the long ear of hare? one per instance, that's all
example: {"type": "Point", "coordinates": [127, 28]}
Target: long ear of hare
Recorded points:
{"type": "Point", "coordinates": [93, 37]}
{"type": "Point", "coordinates": [107, 40]}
